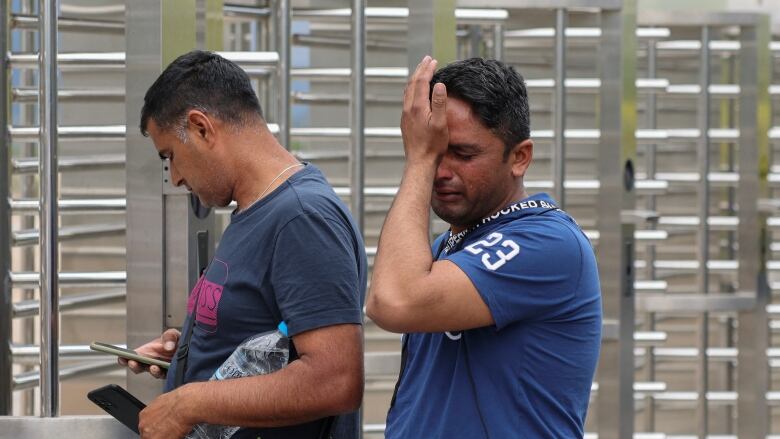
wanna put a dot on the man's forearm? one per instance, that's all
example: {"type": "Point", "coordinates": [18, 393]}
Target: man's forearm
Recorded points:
{"type": "Point", "coordinates": [299, 393]}
{"type": "Point", "coordinates": [404, 252]}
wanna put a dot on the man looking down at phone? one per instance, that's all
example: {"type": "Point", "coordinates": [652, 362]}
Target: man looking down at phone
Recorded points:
{"type": "Point", "coordinates": [503, 314]}
{"type": "Point", "coordinates": [291, 253]}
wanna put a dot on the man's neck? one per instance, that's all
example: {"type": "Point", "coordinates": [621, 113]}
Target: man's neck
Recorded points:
{"type": "Point", "coordinates": [258, 168]}
{"type": "Point", "coordinates": [519, 195]}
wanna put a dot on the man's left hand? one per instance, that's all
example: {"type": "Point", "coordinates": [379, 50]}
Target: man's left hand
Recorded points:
{"type": "Point", "coordinates": [165, 417]}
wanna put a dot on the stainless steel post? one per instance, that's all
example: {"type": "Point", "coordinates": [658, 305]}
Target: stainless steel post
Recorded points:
{"type": "Point", "coordinates": [753, 374]}
{"type": "Point", "coordinates": [29, 189]}
{"type": "Point", "coordinates": [431, 31]}
{"type": "Point", "coordinates": [283, 37]}
{"type": "Point", "coordinates": [498, 42]}
{"type": "Point", "coordinates": [358, 112]}
{"type": "Point", "coordinates": [559, 149]}
{"type": "Point", "coordinates": [475, 41]}
{"type": "Point", "coordinates": [650, 250]}
{"type": "Point", "coordinates": [47, 150]}
{"type": "Point", "coordinates": [703, 238]}
{"type": "Point", "coordinates": [200, 24]}
{"type": "Point", "coordinates": [271, 97]}
{"type": "Point", "coordinates": [615, 168]}
{"type": "Point", "coordinates": [6, 303]}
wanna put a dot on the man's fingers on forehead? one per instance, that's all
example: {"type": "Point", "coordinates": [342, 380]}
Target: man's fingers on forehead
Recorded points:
{"type": "Point", "coordinates": [409, 93]}
{"type": "Point", "coordinates": [432, 66]}
{"type": "Point", "coordinates": [411, 85]}
{"type": "Point", "coordinates": [424, 61]}
{"type": "Point", "coordinates": [419, 64]}
{"type": "Point", "coordinates": [417, 83]}
{"type": "Point", "coordinates": [420, 67]}
{"type": "Point", "coordinates": [421, 80]}
{"type": "Point", "coordinates": [423, 86]}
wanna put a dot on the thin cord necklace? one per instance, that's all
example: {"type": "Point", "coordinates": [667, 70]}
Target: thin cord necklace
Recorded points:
{"type": "Point", "coordinates": [272, 182]}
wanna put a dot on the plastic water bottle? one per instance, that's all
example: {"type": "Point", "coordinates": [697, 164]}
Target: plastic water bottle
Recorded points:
{"type": "Point", "coordinates": [258, 355]}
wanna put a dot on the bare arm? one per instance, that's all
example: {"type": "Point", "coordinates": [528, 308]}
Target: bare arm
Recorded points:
{"type": "Point", "coordinates": [326, 380]}
{"type": "Point", "coordinates": [409, 291]}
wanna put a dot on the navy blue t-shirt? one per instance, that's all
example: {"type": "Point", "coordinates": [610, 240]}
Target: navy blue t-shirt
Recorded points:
{"type": "Point", "coordinates": [530, 374]}
{"type": "Point", "coordinates": [296, 255]}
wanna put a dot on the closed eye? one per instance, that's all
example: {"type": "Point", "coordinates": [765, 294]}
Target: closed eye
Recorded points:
{"type": "Point", "coordinates": [464, 156]}
{"type": "Point", "coordinates": [464, 151]}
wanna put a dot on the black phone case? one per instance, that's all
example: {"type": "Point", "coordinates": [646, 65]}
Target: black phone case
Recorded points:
{"type": "Point", "coordinates": [118, 403]}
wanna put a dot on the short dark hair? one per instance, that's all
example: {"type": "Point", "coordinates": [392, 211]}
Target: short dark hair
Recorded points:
{"type": "Point", "coordinates": [496, 94]}
{"type": "Point", "coordinates": [202, 80]}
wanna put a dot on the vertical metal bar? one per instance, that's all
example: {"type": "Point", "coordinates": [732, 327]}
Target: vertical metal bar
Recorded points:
{"type": "Point", "coordinates": [283, 21]}
{"type": "Point", "coordinates": [753, 374]}
{"type": "Point", "coordinates": [650, 251]}
{"type": "Point", "coordinates": [270, 99]}
{"type": "Point", "coordinates": [200, 24]}
{"type": "Point", "coordinates": [498, 42]}
{"type": "Point", "coordinates": [559, 149]}
{"type": "Point", "coordinates": [727, 247]}
{"type": "Point", "coordinates": [47, 150]}
{"type": "Point", "coordinates": [615, 164]}
{"type": "Point", "coordinates": [260, 31]}
{"type": "Point", "coordinates": [215, 26]}
{"type": "Point", "coordinates": [703, 238]}
{"type": "Point", "coordinates": [29, 189]}
{"type": "Point", "coordinates": [209, 28]}
{"type": "Point", "coordinates": [431, 31]}
{"type": "Point", "coordinates": [6, 303]}
{"type": "Point", "coordinates": [475, 41]}
{"type": "Point", "coordinates": [358, 112]}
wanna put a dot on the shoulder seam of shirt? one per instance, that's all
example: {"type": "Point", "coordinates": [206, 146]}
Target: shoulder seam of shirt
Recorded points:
{"type": "Point", "coordinates": [302, 213]}
{"type": "Point", "coordinates": [344, 227]}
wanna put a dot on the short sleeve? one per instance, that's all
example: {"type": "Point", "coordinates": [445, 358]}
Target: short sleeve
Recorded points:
{"type": "Point", "coordinates": [315, 274]}
{"type": "Point", "coordinates": [523, 271]}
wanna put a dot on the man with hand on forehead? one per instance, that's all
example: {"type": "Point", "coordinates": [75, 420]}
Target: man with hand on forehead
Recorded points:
{"type": "Point", "coordinates": [502, 314]}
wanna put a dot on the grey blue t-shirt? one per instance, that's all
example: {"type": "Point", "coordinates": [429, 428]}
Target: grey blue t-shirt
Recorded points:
{"type": "Point", "coordinates": [296, 255]}
{"type": "Point", "coordinates": [528, 375]}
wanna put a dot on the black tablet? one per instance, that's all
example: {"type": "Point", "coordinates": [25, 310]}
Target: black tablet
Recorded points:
{"type": "Point", "coordinates": [119, 403]}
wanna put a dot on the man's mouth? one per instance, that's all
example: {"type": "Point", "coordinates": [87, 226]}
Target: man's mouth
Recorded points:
{"type": "Point", "coordinates": [446, 195]}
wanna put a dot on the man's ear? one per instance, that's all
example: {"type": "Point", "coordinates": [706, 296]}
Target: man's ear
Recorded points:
{"type": "Point", "coordinates": [520, 156]}
{"type": "Point", "coordinates": [201, 126]}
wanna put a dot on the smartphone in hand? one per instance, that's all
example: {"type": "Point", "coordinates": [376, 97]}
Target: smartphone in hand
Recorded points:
{"type": "Point", "coordinates": [118, 403]}
{"type": "Point", "coordinates": [127, 353]}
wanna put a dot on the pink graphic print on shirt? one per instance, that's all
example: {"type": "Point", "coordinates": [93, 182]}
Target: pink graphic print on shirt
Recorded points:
{"type": "Point", "coordinates": [208, 292]}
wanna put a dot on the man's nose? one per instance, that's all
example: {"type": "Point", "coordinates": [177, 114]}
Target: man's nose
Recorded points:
{"type": "Point", "coordinates": [176, 178]}
{"type": "Point", "coordinates": [444, 171]}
